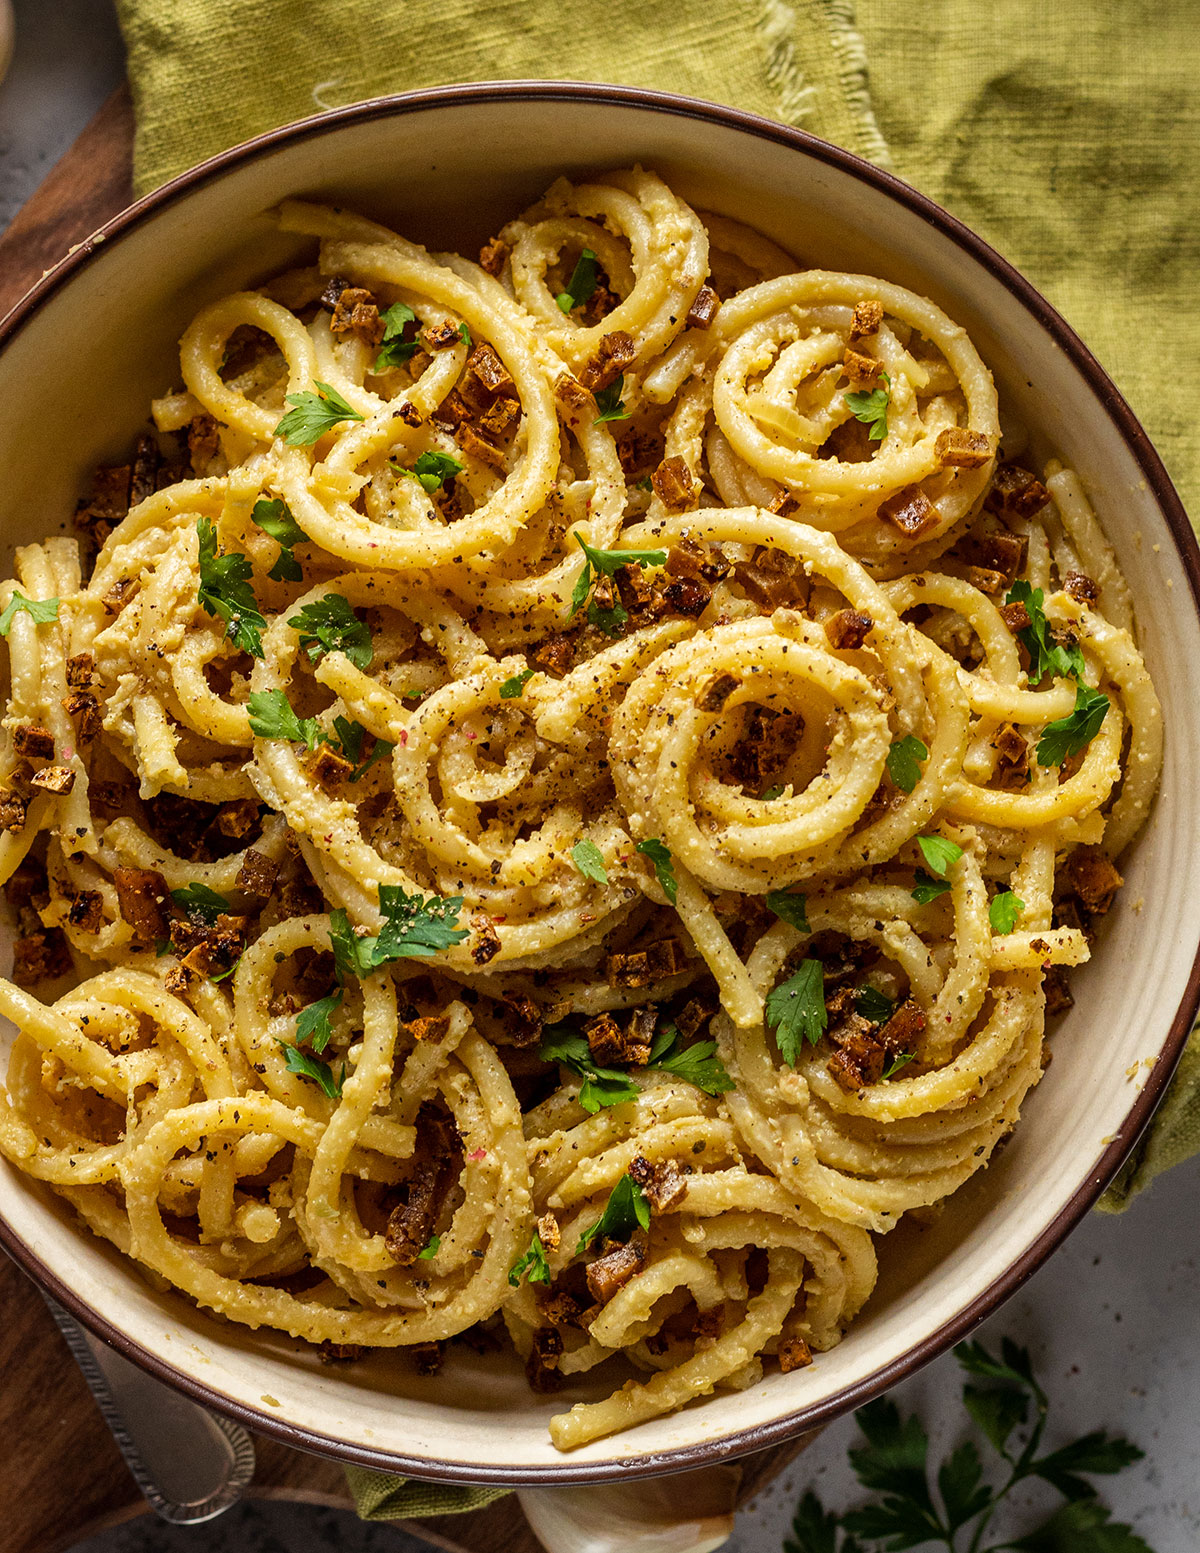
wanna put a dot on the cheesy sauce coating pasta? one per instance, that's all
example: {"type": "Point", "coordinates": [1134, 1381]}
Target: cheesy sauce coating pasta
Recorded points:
{"type": "Point", "coordinates": [556, 795]}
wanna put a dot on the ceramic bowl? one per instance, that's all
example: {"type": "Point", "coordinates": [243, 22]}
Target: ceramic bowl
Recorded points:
{"type": "Point", "coordinates": [83, 353]}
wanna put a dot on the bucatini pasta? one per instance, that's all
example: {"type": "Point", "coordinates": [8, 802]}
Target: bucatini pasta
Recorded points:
{"type": "Point", "coordinates": [556, 794]}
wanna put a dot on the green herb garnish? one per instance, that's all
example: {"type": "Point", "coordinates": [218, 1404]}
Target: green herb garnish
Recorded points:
{"type": "Point", "coordinates": [926, 888]}
{"type": "Point", "coordinates": [939, 853]}
{"type": "Point", "coordinates": [897, 1063]}
{"type": "Point", "coordinates": [607, 563]}
{"type": "Point", "coordinates": [513, 687]}
{"type": "Point", "coordinates": [1046, 655]}
{"type": "Point", "coordinates": [396, 349]}
{"type": "Point", "coordinates": [414, 926]}
{"type": "Point", "coordinates": [796, 1011]}
{"type": "Point", "coordinates": [664, 870]}
{"type": "Point", "coordinates": [314, 1023]}
{"type": "Point", "coordinates": [330, 625]}
{"type": "Point", "coordinates": [610, 404]}
{"type": "Point", "coordinates": [903, 762]}
{"type": "Point", "coordinates": [199, 901]}
{"type": "Point", "coordinates": [697, 1064]}
{"type": "Point", "coordinates": [271, 717]}
{"type": "Point", "coordinates": [430, 1249]}
{"type": "Point", "coordinates": [1003, 911]}
{"type": "Point", "coordinates": [627, 1208]}
{"type": "Point", "coordinates": [431, 470]}
{"type": "Point", "coordinates": [225, 592]}
{"type": "Point", "coordinates": [872, 408]}
{"type": "Point", "coordinates": [276, 521]}
{"type": "Point", "coordinates": [873, 1004]}
{"type": "Point", "coordinates": [40, 611]}
{"type": "Point", "coordinates": [602, 1087]}
{"type": "Point", "coordinates": [1069, 735]}
{"type": "Point", "coordinates": [313, 415]}
{"type": "Point", "coordinates": [582, 284]}
{"type": "Point", "coordinates": [589, 860]}
{"type": "Point", "coordinates": [313, 1068]}
{"type": "Point", "coordinates": [533, 1265]}
{"type": "Point", "coordinates": [790, 907]}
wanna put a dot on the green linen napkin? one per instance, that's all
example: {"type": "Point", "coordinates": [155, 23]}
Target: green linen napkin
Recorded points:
{"type": "Point", "coordinates": [1067, 135]}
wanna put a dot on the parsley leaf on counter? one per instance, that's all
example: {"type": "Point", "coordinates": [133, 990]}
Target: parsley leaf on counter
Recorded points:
{"type": "Point", "coordinates": [225, 592]}
{"type": "Point", "coordinates": [589, 860]}
{"type": "Point", "coordinates": [313, 1023]}
{"type": "Point", "coordinates": [1069, 735]}
{"type": "Point", "coordinates": [313, 1068]}
{"type": "Point", "coordinates": [40, 611]}
{"type": "Point", "coordinates": [582, 284]}
{"type": "Point", "coordinates": [602, 1086]}
{"type": "Point", "coordinates": [533, 1265]}
{"type": "Point", "coordinates": [276, 521]}
{"type": "Point", "coordinates": [892, 1461]}
{"type": "Point", "coordinates": [329, 624]}
{"type": "Point", "coordinates": [1046, 655]}
{"type": "Point", "coordinates": [313, 415]}
{"type": "Point", "coordinates": [664, 870]}
{"type": "Point", "coordinates": [627, 1208]}
{"type": "Point", "coordinates": [1004, 910]}
{"type": "Point", "coordinates": [610, 404]}
{"type": "Point", "coordinates": [513, 687]}
{"type": "Point", "coordinates": [872, 408]}
{"type": "Point", "coordinates": [796, 1011]}
{"type": "Point", "coordinates": [200, 901]}
{"type": "Point", "coordinates": [903, 762]}
{"type": "Point", "coordinates": [396, 349]}
{"type": "Point", "coordinates": [271, 717]}
{"type": "Point", "coordinates": [789, 907]}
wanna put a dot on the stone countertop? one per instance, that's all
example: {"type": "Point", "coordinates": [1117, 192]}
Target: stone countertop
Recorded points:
{"type": "Point", "coordinates": [1113, 1321]}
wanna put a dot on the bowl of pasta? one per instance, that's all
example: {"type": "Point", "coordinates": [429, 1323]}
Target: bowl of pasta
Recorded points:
{"type": "Point", "coordinates": [583, 717]}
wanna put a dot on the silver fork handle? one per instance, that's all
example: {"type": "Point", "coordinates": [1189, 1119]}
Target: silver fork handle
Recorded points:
{"type": "Point", "coordinates": [189, 1463]}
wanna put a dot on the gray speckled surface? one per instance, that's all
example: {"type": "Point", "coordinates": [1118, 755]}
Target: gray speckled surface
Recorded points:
{"type": "Point", "coordinates": [1113, 1320]}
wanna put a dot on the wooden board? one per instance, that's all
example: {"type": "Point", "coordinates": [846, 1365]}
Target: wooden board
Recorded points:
{"type": "Point", "coordinates": [61, 1475]}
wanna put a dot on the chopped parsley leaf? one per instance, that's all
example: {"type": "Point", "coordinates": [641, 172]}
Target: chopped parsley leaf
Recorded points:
{"type": "Point", "coordinates": [314, 1023]}
{"type": "Point", "coordinates": [607, 563]}
{"type": "Point", "coordinates": [397, 346]}
{"type": "Point", "coordinates": [873, 1004]}
{"type": "Point", "coordinates": [602, 1087]}
{"type": "Point", "coordinates": [198, 900]}
{"type": "Point", "coordinates": [939, 853]}
{"type": "Point", "coordinates": [1047, 656]}
{"type": "Point", "coordinates": [610, 404]}
{"type": "Point", "coordinates": [589, 860]}
{"type": "Point", "coordinates": [796, 1011]}
{"type": "Point", "coordinates": [329, 624]}
{"type": "Point", "coordinates": [513, 687]}
{"type": "Point", "coordinates": [664, 870]}
{"type": "Point", "coordinates": [1003, 911]}
{"type": "Point", "coordinates": [313, 414]}
{"type": "Point", "coordinates": [313, 1068]}
{"type": "Point", "coordinates": [225, 592]}
{"type": "Point", "coordinates": [926, 888]}
{"type": "Point", "coordinates": [898, 1062]}
{"type": "Point", "coordinates": [790, 908]}
{"type": "Point", "coordinates": [40, 611]}
{"type": "Point", "coordinates": [430, 1249]}
{"type": "Point", "coordinates": [276, 521]}
{"type": "Point", "coordinates": [533, 1265]}
{"type": "Point", "coordinates": [902, 762]}
{"type": "Point", "coordinates": [582, 284]}
{"type": "Point", "coordinates": [431, 470]}
{"type": "Point", "coordinates": [627, 1208]}
{"type": "Point", "coordinates": [872, 408]}
{"type": "Point", "coordinates": [271, 717]}
{"type": "Point", "coordinates": [697, 1064]}
{"type": "Point", "coordinates": [414, 926]}
{"type": "Point", "coordinates": [1069, 735]}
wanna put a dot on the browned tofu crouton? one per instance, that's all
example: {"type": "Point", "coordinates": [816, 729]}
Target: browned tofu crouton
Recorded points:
{"type": "Point", "coordinates": [39, 956]}
{"type": "Point", "coordinates": [33, 741]}
{"type": "Point", "coordinates": [329, 769]}
{"type": "Point", "coordinates": [430, 1027]}
{"type": "Point", "coordinates": [1015, 492]}
{"type": "Point", "coordinates": [357, 313]}
{"type": "Point", "coordinates": [673, 484]}
{"type": "Point", "coordinates": [571, 395]}
{"type": "Point", "coordinates": [664, 1184]}
{"type": "Point", "coordinates": [82, 705]}
{"type": "Point", "coordinates": [54, 779]}
{"type": "Point", "coordinates": [994, 550]}
{"type": "Point", "coordinates": [691, 559]}
{"type": "Point", "coordinates": [258, 874]}
{"type": "Point", "coordinates": [654, 963]}
{"type": "Point", "coordinates": [493, 256]}
{"type": "Point", "coordinates": [862, 370]}
{"type": "Point", "coordinates": [1015, 616]}
{"type": "Point", "coordinates": [793, 1354]}
{"type": "Point", "coordinates": [485, 366]}
{"type": "Point", "coordinates": [910, 511]}
{"type": "Point", "coordinates": [12, 811]}
{"type": "Point", "coordinates": [556, 654]}
{"type": "Point", "coordinates": [685, 596]}
{"type": "Point", "coordinates": [238, 818]}
{"type": "Point", "coordinates": [486, 944]}
{"type": "Point", "coordinates": [440, 337]}
{"type": "Point", "coordinates": [86, 911]}
{"type": "Point", "coordinates": [903, 1029]}
{"type": "Point", "coordinates": [80, 669]}
{"type": "Point", "coordinates": [142, 897]}
{"type": "Point", "coordinates": [541, 1367]}
{"type": "Point", "coordinates": [615, 352]}
{"type": "Point", "coordinates": [609, 1043]}
{"type": "Point", "coordinates": [106, 501]}
{"type": "Point", "coordinates": [609, 1273]}
{"type": "Point", "coordinates": [1093, 878]}
{"type": "Point", "coordinates": [866, 321]}
{"type": "Point", "coordinates": [482, 451]}
{"type": "Point", "coordinates": [1081, 587]}
{"type": "Point", "coordinates": [958, 447]}
{"type": "Point", "coordinates": [703, 309]}
{"type": "Point", "coordinates": [848, 630]}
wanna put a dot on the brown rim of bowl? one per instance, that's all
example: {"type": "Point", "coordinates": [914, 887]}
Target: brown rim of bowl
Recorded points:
{"type": "Point", "coordinates": [740, 1442]}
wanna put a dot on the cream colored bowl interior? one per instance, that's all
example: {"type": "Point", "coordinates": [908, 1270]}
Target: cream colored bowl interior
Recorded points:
{"type": "Point", "coordinates": [74, 383]}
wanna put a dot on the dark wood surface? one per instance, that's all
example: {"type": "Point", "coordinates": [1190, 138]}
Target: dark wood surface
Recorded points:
{"type": "Point", "coordinates": [61, 1476]}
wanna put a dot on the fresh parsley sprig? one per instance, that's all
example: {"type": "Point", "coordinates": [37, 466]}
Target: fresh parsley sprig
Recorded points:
{"type": "Point", "coordinates": [796, 1011]}
{"type": "Point", "coordinates": [610, 404]}
{"type": "Point", "coordinates": [314, 1024]}
{"type": "Point", "coordinates": [533, 1266]}
{"type": "Point", "coordinates": [272, 717]}
{"type": "Point", "coordinates": [225, 592]}
{"type": "Point", "coordinates": [872, 408]}
{"type": "Point", "coordinates": [582, 285]}
{"type": "Point", "coordinates": [329, 624]}
{"type": "Point", "coordinates": [697, 1064]}
{"type": "Point", "coordinates": [602, 1087]}
{"type": "Point", "coordinates": [1003, 911]}
{"type": "Point", "coordinates": [199, 901]}
{"type": "Point", "coordinates": [606, 563]}
{"type": "Point", "coordinates": [277, 521]}
{"type": "Point", "coordinates": [589, 860]}
{"type": "Point", "coordinates": [397, 346]}
{"type": "Point", "coordinates": [790, 907]}
{"type": "Point", "coordinates": [892, 1461]}
{"type": "Point", "coordinates": [313, 414]}
{"type": "Point", "coordinates": [431, 470]}
{"type": "Point", "coordinates": [1047, 656]}
{"type": "Point", "coordinates": [940, 854]}
{"type": "Point", "coordinates": [903, 762]}
{"type": "Point", "coordinates": [873, 1004]}
{"type": "Point", "coordinates": [626, 1210]}
{"type": "Point", "coordinates": [664, 869]}
{"type": "Point", "coordinates": [1068, 735]}
{"type": "Point", "coordinates": [315, 1069]}
{"type": "Point", "coordinates": [40, 611]}
{"type": "Point", "coordinates": [414, 926]}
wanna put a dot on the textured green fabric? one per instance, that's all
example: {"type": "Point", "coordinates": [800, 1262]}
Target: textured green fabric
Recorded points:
{"type": "Point", "coordinates": [380, 1497]}
{"type": "Point", "coordinates": [1067, 135]}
